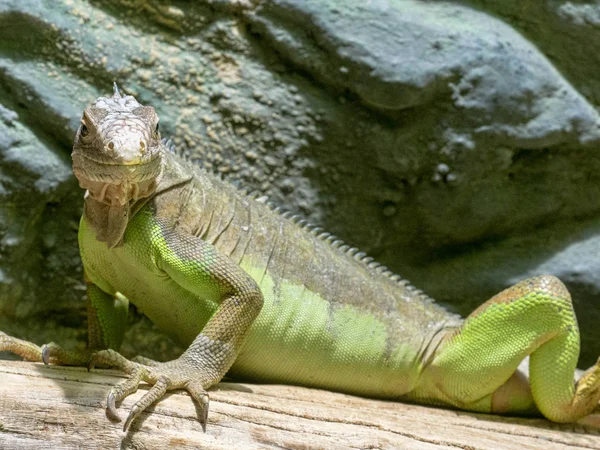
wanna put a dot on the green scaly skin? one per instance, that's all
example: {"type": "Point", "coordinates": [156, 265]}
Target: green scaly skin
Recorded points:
{"type": "Point", "coordinates": [261, 297]}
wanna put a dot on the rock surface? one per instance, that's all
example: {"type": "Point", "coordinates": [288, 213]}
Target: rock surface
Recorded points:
{"type": "Point", "coordinates": [455, 142]}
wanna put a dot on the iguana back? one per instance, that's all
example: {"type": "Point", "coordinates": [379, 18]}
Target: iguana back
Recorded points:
{"type": "Point", "coordinates": [330, 319]}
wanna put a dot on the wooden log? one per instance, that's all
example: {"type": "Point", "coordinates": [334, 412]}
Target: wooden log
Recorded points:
{"type": "Point", "coordinates": [52, 407]}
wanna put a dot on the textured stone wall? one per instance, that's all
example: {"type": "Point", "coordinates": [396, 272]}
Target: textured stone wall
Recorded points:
{"type": "Point", "coordinates": [456, 142]}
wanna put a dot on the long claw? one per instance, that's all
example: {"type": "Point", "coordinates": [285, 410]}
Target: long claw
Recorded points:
{"type": "Point", "coordinates": [204, 402]}
{"type": "Point", "coordinates": [155, 392]}
{"type": "Point", "coordinates": [132, 415]}
{"type": "Point", "coordinates": [111, 409]}
{"type": "Point", "coordinates": [202, 398]}
{"type": "Point", "coordinates": [46, 354]}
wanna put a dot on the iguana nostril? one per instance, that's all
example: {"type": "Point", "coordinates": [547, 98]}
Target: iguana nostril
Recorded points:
{"type": "Point", "coordinates": [111, 145]}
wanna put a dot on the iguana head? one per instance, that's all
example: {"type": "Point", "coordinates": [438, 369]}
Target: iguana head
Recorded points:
{"type": "Point", "coordinates": [117, 150]}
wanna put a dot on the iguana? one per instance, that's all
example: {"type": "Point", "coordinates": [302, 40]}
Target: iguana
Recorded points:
{"type": "Point", "coordinates": [256, 295]}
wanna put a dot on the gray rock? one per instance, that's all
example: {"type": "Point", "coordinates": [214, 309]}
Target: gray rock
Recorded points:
{"type": "Point", "coordinates": [406, 54]}
{"type": "Point", "coordinates": [34, 188]}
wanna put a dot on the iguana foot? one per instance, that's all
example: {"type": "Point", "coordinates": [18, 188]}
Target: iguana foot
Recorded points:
{"type": "Point", "coordinates": [48, 354]}
{"type": "Point", "coordinates": [180, 373]}
{"type": "Point", "coordinates": [587, 388]}
{"type": "Point", "coordinates": [25, 349]}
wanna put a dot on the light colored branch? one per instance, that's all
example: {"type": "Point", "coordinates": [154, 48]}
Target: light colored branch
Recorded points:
{"type": "Point", "coordinates": [63, 408]}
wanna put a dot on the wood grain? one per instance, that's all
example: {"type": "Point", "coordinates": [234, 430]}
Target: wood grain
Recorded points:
{"type": "Point", "coordinates": [63, 408]}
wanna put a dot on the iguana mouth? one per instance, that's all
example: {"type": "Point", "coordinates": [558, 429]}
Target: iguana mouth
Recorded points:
{"type": "Point", "coordinates": [112, 172]}
{"type": "Point", "coordinates": [116, 184]}
{"type": "Point", "coordinates": [108, 162]}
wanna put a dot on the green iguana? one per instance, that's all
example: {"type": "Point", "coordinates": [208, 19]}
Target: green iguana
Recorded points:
{"type": "Point", "coordinates": [256, 295]}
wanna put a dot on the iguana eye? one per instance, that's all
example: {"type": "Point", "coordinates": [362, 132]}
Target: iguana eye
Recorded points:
{"type": "Point", "coordinates": [84, 130]}
{"type": "Point", "coordinates": [156, 129]}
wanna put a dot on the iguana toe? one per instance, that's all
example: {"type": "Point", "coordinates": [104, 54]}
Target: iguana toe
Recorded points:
{"type": "Point", "coordinates": [155, 393]}
{"type": "Point", "coordinates": [200, 395]}
{"type": "Point", "coordinates": [48, 354]}
{"type": "Point", "coordinates": [25, 349]}
{"type": "Point", "coordinates": [145, 361]}
{"type": "Point", "coordinates": [52, 353]}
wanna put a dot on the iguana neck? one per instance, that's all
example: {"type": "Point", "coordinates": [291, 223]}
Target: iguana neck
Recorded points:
{"type": "Point", "coordinates": [109, 219]}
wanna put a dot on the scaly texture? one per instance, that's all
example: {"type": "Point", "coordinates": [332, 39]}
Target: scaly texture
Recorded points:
{"type": "Point", "coordinates": [263, 297]}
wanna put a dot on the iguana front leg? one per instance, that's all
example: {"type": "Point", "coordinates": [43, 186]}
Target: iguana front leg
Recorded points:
{"type": "Point", "coordinates": [107, 317]}
{"type": "Point", "coordinates": [474, 367]}
{"type": "Point", "coordinates": [197, 267]}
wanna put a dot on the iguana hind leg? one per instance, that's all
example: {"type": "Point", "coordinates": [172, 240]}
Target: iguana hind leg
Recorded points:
{"type": "Point", "coordinates": [474, 366]}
